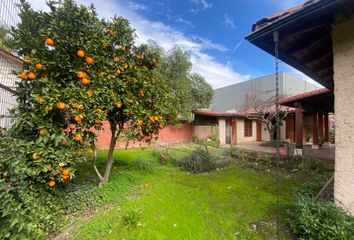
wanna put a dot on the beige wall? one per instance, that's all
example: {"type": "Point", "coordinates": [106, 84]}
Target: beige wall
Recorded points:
{"type": "Point", "coordinates": [202, 132]}
{"type": "Point", "coordinates": [241, 132]}
{"type": "Point", "coordinates": [343, 56]}
{"type": "Point", "coordinates": [265, 133]}
{"type": "Point", "coordinates": [222, 131]}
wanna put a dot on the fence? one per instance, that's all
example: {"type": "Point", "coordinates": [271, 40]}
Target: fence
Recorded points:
{"type": "Point", "coordinates": [8, 62]}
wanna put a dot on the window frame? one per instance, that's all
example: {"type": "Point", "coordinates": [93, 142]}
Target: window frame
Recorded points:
{"type": "Point", "coordinates": [248, 128]}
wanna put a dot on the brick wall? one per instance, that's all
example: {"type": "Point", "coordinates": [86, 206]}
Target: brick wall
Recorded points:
{"type": "Point", "coordinates": [170, 134]}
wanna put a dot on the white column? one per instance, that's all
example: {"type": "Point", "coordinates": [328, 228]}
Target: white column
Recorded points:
{"type": "Point", "coordinates": [343, 66]}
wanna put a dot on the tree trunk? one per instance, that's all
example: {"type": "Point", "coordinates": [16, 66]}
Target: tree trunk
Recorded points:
{"type": "Point", "coordinates": [110, 157]}
{"type": "Point", "coordinates": [271, 132]}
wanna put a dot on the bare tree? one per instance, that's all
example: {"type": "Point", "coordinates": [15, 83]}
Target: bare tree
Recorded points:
{"type": "Point", "coordinates": [264, 111]}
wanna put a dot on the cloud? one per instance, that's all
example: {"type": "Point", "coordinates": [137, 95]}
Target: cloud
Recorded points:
{"type": "Point", "coordinates": [201, 5]}
{"type": "Point", "coordinates": [179, 19]}
{"type": "Point", "coordinates": [207, 44]}
{"type": "Point", "coordinates": [228, 21]}
{"type": "Point", "coordinates": [136, 6]}
{"type": "Point", "coordinates": [216, 73]}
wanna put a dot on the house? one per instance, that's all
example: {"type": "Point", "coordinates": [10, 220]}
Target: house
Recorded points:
{"type": "Point", "coordinates": [317, 38]}
{"type": "Point", "coordinates": [235, 96]}
{"type": "Point", "coordinates": [312, 125]}
{"type": "Point", "coordinates": [231, 128]}
{"type": "Point", "coordinates": [8, 63]}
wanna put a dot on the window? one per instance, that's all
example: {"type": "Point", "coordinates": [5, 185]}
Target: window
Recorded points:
{"type": "Point", "coordinates": [248, 128]}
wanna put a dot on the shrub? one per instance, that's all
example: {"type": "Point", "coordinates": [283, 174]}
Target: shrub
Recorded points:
{"type": "Point", "coordinates": [309, 163]}
{"type": "Point", "coordinates": [198, 161]}
{"type": "Point", "coordinates": [212, 141]}
{"type": "Point", "coordinates": [311, 219]}
{"type": "Point", "coordinates": [132, 218]}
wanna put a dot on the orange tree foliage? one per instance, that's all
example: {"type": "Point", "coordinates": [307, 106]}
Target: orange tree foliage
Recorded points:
{"type": "Point", "coordinates": [81, 71]}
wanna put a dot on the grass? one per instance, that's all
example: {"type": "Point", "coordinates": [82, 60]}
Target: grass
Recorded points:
{"type": "Point", "coordinates": [167, 203]}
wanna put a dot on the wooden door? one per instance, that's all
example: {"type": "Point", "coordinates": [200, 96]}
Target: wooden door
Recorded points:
{"type": "Point", "coordinates": [259, 131]}
{"type": "Point", "coordinates": [290, 128]}
{"type": "Point", "coordinates": [234, 131]}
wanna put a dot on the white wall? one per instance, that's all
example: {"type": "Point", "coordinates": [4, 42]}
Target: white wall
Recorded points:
{"type": "Point", "coordinates": [343, 66]}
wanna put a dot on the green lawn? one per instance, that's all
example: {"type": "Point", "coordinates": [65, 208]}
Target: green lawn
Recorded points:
{"type": "Point", "coordinates": [231, 203]}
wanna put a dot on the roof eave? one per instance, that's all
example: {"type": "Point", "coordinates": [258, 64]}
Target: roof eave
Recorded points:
{"type": "Point", "coordinates": [322, 7]}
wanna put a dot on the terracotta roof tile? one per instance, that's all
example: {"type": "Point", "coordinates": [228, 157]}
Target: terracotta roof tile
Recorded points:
{"type": "Point", "coordinates": [268, 20]}
{"type": "Point", "coordinates": [304, 95]}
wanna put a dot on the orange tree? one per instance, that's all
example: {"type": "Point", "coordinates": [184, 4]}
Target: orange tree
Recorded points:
{"type": "Point", "coordinates": [81, 71]}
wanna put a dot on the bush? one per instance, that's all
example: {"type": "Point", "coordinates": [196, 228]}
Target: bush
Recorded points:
{"type": "Point", "coordinates": [198, 161]}
{"type": "Point", "coordinates": [309, 164]}
{"type": "Point", "coordinates": [311, 219]}
{"type": "Point", "coordinates": [212, 141]}
{"type": "Point", "coordinates": [132, 218]}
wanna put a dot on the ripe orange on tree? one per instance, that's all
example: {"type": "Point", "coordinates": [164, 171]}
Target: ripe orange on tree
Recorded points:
{"type": "Point", "coordinates": [81, 74]}
{"type": "Point", "coordinates": [152, 119]}
{"type": "Point", "coordinates": [85, 81]}
{"type": "Point", "coordinates": [161, 126]}
{"type": "Point", "coordinates": [118, 105]}
{"type": "Point", "coordinates": [117, 59]}
{"type": "Point", "coordinates": [90, 151]}
{"type": "Point", "coordinates": [65, 172]}
{"type": "Point", "coordinates": [88, 93]}
{"type": "Point", "coordinates": [23, 75]}
{"type": "Point", "coordinates": [101, 74]}
{"type": "Point", "coordinates": [149, 100]}
{"type": "Point", "coordinates": [65, 177]}
{"type": "Point", "coordinates": [60, 105]}
{"type": "Point", "coordinates": [89, 60]}
{"type": "Point", "coordinates": [118, 72]}
{"type": "Point", "coordinates": [51, 183]}
{"type": "Point", "coordinates": [97, 121]}
{"type": "Point", "coordinates": [49, 41]}
{"type": "Point", "coordinates": [78, 119]}
{"type": "Point", "coordinates": [156, 118]}
{"type": "Point", "coordinates": [78, 138]}
{"type": "Point", "coordinates": [80, 53]}
{"type": "Point", "coordinates": [31, 76]}
{"type": "Point", "coordinates": [39, 66]}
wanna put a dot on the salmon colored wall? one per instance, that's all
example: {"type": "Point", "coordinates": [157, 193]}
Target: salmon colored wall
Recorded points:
{"type": "Point", "coordinates": [171, 134]}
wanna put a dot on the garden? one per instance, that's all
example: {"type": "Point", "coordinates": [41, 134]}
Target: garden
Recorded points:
{"type": "Point", "coordinates": [81, 71]}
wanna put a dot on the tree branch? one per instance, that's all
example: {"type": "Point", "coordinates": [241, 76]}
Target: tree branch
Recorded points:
{"type": "Point", "coordinates": [94, 165]}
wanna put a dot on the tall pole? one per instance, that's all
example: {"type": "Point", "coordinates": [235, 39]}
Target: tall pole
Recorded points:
{"type": "Point", "coordinates": [276, 50]}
